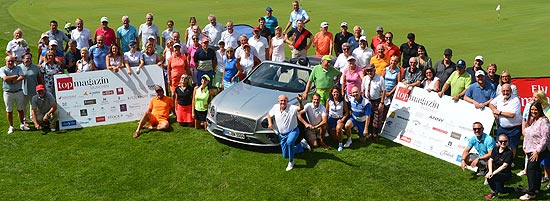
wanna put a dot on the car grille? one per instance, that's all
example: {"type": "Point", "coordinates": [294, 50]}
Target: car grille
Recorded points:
{"type": "Point", "coordinates": [236, 123]}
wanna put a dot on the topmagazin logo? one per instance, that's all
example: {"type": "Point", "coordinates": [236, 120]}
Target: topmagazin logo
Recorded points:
{"type": "Point", "coordinates": [64, 84]}
{"type": "Point", "coordinates": [402, 94]}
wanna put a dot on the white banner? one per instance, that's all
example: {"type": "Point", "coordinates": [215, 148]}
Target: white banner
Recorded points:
{"type": "Point", "coordinates": [436, 126]}
{"type": "Point", "coordinates": [105, 97]}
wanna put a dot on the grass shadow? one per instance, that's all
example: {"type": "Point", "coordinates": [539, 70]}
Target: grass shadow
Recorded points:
{"type": "Point", "coordinates": [313, 158]}
{"type": "Point", "coordinates": [270, 150]}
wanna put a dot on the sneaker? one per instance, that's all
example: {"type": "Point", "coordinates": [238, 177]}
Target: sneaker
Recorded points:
{"type": "Point", "coordinates": [305, 145]}
{"type": "Point", "coordinates": [340, 148]}
{"type": "Point", "coordinates": [10, 130]}
{"type": "Point", "coordinates": [521, 173]}
{"type": "Point", "coordinates": [348, 143]}
{"type": "Point", "coordinates": [520, 188]}
{"type": "Point", "coordinates": [481, 172]}
{"type": "Point", "coordinates": [290, 166]}
{"type": "Point", "coordinates": [485, 182]}
{"type": "Point", "coordinates": [513, 165]}
{"type": "Point", "coordinates": [326, 134]}
{"type": "Point", "coordinates": [544, 180]}
{"type": "Point", "coordinates": [491, 196]}
{"type": "Point", "coordinates": [52, 129]}
{"type": "Point", "coordinates": [24, 128]}
{"type": "Point", "coordinates": [527, 197]}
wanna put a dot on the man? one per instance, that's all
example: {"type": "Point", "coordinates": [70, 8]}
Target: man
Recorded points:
{"type": "Point", "coordinates": [323, 41]}
{"type": "Point", "coordinates": [354, 40]}
{"type": "Point", "coordinates": [390, 48]}
{"type": "Point", "coordinates": [264, 31]}
{"type": "Point", "coordinates": [109, 35]}
{"type": "Point", "coordinates": [492, 76]}
{"type": "Point", "coordinates": [57, 35]}
{"type": "Point", "coordinates": [229, 36]}
{"type": "Point", "coordinates": [260, 44]}
{"type": "Point", "coordinates": [374, 89]}
{"type": "Point", "coordinates": [325, 77]}
{"type": "Point", "coordinates": [413, 75]}
{"type": "Point", "coordinates": [341, 62]}
{"type": "Point", "coordinates": [484, 145]}
{"type": "Point", "coordinates": [299, 43]}
{"type": "Point", "coordinates": [158, 48]}
{"type": "Point", "coordinates": [459, 81]}
{"type": "Point", "coordinates": [379, 38]}
{"type": "Point", "coordinates": [12, 77]}
{"type": "Point", "coordinates": [481, 93]}
{"type": "Point", "coordinates": [32, 79]}
{"type": "Point", "coordinates": [82, 35]}
{"type": "Point", "coordinates": [167, 33]}
{"type": "Point", "coordinates": [363, 53]}
{"type": "Point", "coordinates": [176, 38]}
{"type": "Point", "coordinates": [315, 122]}
{"type": "Point", "coordinates": [285, 116]}
{"type": "Point", "coordinates": [297, 14]}
{"type": "Point", "coordinates": [360, 116]}
{"type": "Point", "coordinates": [72, 56]}
{"type": "Point", "coordinates": [341, 38]}
{"type": "Point", "coordinates": [409, 49]}
{"type": "Point", "coordinates": [195, 30]}
{"type": "Point", "coordinates": [507, 108]}
{"type": "Point", "coordinates": [148, 29]}
{"type": "Point", "coordinates": [380, 60]}
{"type": "Point", "coordinates": [98, 53]}
{"type": "Point", "coordinates": [243, 40]}
{"type": "Point", "coordinates": [444, 68]}
{"type": "Point", "coordinates": [205, 60]}
{"type": "Point", "coordinates": [157, 113]}
{"type": "Point", "coordinates": [44, 109]}
{"type": "Point", "coordinates": [126, 33]}
{"type": "Point", "coordinates": [270, 21]}
{"type": "Point", "coordinates": [478, 63]}
{"type": "Point", "coordinates": [213, 30]}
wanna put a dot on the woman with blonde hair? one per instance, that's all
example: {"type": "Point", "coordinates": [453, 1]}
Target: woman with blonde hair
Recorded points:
{"type": "Point", "coordinates": [85, 64]}
{"type": "Point", "coordinates": [277, 48]}
{"type": "Point", "coordinates": [506, 78]}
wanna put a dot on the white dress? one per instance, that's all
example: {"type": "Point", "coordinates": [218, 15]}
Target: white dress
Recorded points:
{"type": "Point", "coordinates": [278, 49]}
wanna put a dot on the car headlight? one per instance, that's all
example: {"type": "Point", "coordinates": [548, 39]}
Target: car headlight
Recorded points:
{"type": "Point", "coordinates": [212, 111]}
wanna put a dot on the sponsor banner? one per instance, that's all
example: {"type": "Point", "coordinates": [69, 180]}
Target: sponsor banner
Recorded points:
{"type": "Point", "coordinates": [105, 97]}
{"type": "Point", "coordinates": [436, 126]}
{"type": "Point", "coordinates": [527, 86]}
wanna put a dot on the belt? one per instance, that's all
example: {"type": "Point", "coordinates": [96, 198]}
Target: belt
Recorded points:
{"type": "Point", "coordinates": [14, 91]}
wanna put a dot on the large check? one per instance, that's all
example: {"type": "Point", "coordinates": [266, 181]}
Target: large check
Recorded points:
{"type": "Point", "coordinates": [104, 97]}
{"type": "Point", "coordinates": [436, 126]}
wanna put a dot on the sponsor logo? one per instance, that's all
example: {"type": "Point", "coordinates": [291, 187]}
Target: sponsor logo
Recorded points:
{"type": "Point", "coordinates": [119, 91]}
{"type": "Point", "coordinates": [89, 102]}
{"type": "Point", "coordinates": [456, 135]}
{"type": "Point", "coordinates": [461, 147]}
{"type": "Point", "coordinates": [402, 117]}
{"type": "Point", "coordinates": [436, 118]}
{"type": "Point", "coordinates": [108, 92]}
{"type": "Point", "coordinates": [450, 144]}
{"type": "Point", "coordinates": [447, 154]}
{"type": "Point", "coordinates": [64, 84]}
{"type": "Point", "coordinates": [83, 112]}
{"type": "Point", "coordinates": [84, 122]}
{"type": "Point", "coordinates": [439, 130]}
{"type": "Point", "coordinates": [116, 116]}
{"type": "Point", "coordinates": [123, 108]}
{"type": "Point", "coordinates": [458, 158]}
{"type": "Point", "coordinates": [67, 97]}
{"type": "Point", "coordinates": [402, 94]}
{"type": "Point", "coordinates": [68, 123]}
{"type": "Point", "coordinates": [405, 139]}
{"type": "Point", "coordinates": [64, 104]}
{"type": "Point", "coordinates": [100, 119]}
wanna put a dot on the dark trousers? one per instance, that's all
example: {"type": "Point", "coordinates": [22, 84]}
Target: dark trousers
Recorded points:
{"type": "Point", "coordinates": [376, 120]}
{"type": "Point", "coordinates": [497, 183]}
{"type": "Point", "coordinates": [534, 172]}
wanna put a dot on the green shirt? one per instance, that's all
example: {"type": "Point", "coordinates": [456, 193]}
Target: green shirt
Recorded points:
{"type": "Point", "coordinates": [459, 82]}
{"type": "Point", "coordinates": [324, 79]}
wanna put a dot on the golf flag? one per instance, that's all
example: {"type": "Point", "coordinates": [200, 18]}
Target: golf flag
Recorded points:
{"type": "Point", "coordinates": [498, 7]}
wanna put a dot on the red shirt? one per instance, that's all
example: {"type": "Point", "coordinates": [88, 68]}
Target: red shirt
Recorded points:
{"type": "Point", "coordinates": [375, 41]}
{"type": "Point", "coordinates": [392, 50]}
{"type": "Point", "coordinates": [109, 35]}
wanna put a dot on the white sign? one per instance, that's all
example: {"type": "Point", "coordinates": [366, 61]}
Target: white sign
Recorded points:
{"type": "Point", "coordinates": [436, 126]}
{"type": "Point", "coordinates": [105, 97]}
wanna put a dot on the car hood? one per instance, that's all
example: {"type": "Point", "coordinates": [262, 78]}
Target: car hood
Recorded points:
{"type": "Point", "coordinates": [248, 101]}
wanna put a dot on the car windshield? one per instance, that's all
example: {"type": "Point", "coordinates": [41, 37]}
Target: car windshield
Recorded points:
{"type": "Point", "coordinates": [279, 77]}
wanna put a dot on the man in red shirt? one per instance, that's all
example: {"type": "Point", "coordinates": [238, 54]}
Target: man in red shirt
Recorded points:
{"type": "Point", "coordinates": [109, 35]}
{"type": "Point", "coordinates": [390, 48]}
{"type": "Point", "coordinates": [379, 38]}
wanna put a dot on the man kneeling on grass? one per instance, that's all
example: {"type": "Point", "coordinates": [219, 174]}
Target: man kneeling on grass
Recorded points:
{"type": "Point", "coordinates": [157, 114]}
{"type": "Point", "coordinates": [44, 109]}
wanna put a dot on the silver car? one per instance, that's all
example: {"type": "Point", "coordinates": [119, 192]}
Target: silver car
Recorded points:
{"type": "Point", "coordinates": [238, 114]}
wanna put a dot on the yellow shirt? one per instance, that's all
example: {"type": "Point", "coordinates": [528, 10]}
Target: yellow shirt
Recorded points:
{"type": "Point", "coordinates": [380, 63]}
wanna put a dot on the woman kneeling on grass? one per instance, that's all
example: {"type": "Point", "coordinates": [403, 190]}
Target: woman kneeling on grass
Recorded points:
{"type": "Point", "coordinates": [500, 169]}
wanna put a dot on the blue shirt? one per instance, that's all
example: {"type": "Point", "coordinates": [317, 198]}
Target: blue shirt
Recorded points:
{"type": "Point", "coordinates": [482, 146]}
{"type": "Point", "coordinates": [11, 87]}
{"type": "Point", "coordinates": [230, 69]}
{"type": "Point", "coordinates": [126, 35]}
{"type": "Point", "coordinates": [271, 23]}
{"type": "Point", "coordinates": [481, 95]}
{"type": "Point", "coordinates": [360, 110]}
{"type": "Point", "coordinates": [301, 14]}
{"type": "Point", "coordinates": [98, 55]}
{"type": "Point", "coordinates": [390, 79]}
{"type": "Point", "coordinates": [353, 43]}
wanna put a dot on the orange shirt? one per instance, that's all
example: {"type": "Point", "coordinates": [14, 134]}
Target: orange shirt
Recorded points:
{"type": "Point", "coordinates": [380, 63]}
{"type": "Point", "coordinates": [375, 41]}
{"type": "Point", "coordinates": [178, 65]}
{"type": "Point", "coordinates": [160, 107]}
{"type": "Point", "coordinates": [392, 50]}
{"type": "Point", "coordinates": [322, 43]}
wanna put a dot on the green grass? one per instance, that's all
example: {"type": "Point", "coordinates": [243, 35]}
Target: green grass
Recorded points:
{"type": "Point", "coordinates": [105, 163]}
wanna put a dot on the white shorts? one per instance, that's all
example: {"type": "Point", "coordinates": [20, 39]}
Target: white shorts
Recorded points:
{"type": "Point", "coordinates": [14, 98]}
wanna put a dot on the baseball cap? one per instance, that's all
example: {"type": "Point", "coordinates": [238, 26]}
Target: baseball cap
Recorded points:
{"type": "Point", "coordinates": [363, 38]}
{"type": "Point", "coordinates": [206, 77]}
{"type": "Point", "coordinates": [104, 19]}
{"type": "Point", "coordinates": [221, 42]}
{"type": "Point", "coordinates": [379, 28]}
{"type": "Point", "coordinates": [40, 87]}
{"type": "Point", "coordinates": [344, 24]}
{"type": "Point", "coordinates": [53, 42]}
{"type": "Point", "coordinates": [479, 57]}
{"type": "Point", "coordinates": [411, 36]}
{"type": "Point", "coordinates": [151, 37]}
{"type": "Point", "coordinates": [326, 57]}
{"type": "Point", "coordinates": [461, 63]}
{"type": "Point", "coordinates": [351, 58]}
{"type": "Point", "coordinates": [205, 39]}
{"type": "Point", "coordinates": [480, 72]}
{"type": "Point", "coordinates": [176, 44]}
{"type": "Point", "coordinates": [269, 9]}
{"type": "Point", "coordinates": [256, 28]}
{"type": "Point", "coordinates": [44, 35]}
{"type": "Point", "coordinates": [324, 24]}
{"type": "Point", "coordinates": [132, 43]}
{"type": "Point", "coordinates": [448, 52]}
{"type": "Point", "coordinates": [370, 66]}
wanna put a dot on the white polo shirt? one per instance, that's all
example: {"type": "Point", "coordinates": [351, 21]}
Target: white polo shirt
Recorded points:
{"type": "Point", "coordinates": [286, 120]}
{"type": "Point", "coordinates": [377, 86]}
{"type": "Point", "coordinates": [260, 45]}
{"type": "Point", "coordinates": [82, 38]}
{"type": "Point", "coordinates": [513, 105]}
{"type": "Point", "coordinates": [315, 115]}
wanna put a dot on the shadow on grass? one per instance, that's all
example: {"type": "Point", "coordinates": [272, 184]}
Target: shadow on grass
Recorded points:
{"type": "Point", "coordinates": [270, 150]}
{"type": "Point", "coordinates": [313, 158]}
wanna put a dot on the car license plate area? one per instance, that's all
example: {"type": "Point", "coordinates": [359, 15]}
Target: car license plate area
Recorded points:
{"type": "Point", "coordinates": [234, 134]}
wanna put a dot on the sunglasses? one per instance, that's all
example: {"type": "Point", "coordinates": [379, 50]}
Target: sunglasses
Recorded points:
{"type": "Point", "coordinates": [195, 38]}
{"type": "Point", "coordinates": [503, 141]}
{"type": "Point", "coordinates": [475, 129]}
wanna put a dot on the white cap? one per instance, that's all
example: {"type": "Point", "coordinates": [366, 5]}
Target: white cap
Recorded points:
{"type": "Point", "coordinates": [363, 38]}
{"type": "Point", "coordinates": [324, 24]}
{"type": "Point", "coordinates": [480, 72]}
{"type": "Point", "coordinates": [53, 42]}
{"type": "Point", "coordinates": [104, 19]}
{"type": "Point", "coordinates": [344, 24]}
{"type": "Point", "coordinates": [151, 37]}
{"type": "Point", "coordinates": [351, 58]}
{"type": "Point", "coordinates": [479, 57]}
{"type": "Point", "coordinates": [176, 44]}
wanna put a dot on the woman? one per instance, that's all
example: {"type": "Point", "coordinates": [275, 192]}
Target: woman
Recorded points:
{"type": "Point", "coordinates": [392, 75]}
{"type": "Point", "coordinates": [150, 57]}
{"type": "Point", "coordinates": [277, 48]}
{"type": "Point", "coordinates": [431, 83]}
{"type": "Point", "coordinates": [220, 57]}
{"type": "Point", "coordinates": [351, 77]}
{"type": "Point", "coordinates": [506, 78]}
{"type": "Point", "coordinates": [195, 45]}
{"type": "Point", "coordinates": [424, 61]}
{"type": "Point", "coordinates": [43, 45]}
{"type": "Point", "coordinates": [177, 66]}
{"type": "Point", "coordinates": [48, 70]}
{"type": "Point", "coordinates": [18, 46]}
{"type": "Point", "coordinates": [85, 64]}
{"type": "Point", "coordinates": [337, 111]}
{"type": "Point", "coordinates": [189, 30]}
{"type": "Point", "coordinates": [184, 98]}
{"type": "Point", "coordinates": [535, 143]}
{"type": "Point", "coordinates": [538, 96]}
{"type": "Point", "coordinates": [115, 59]}
{"type": "Point", "coordinates": [168, 52]}
{"type": "Point", "coordinates": [500, 168]}
{"type": "Point", "coordinates": [132, 58]}
{"type": "Point", "coordinates": [167, 34]}
{"type": "Point", "coordinates": [201, 99]}
{"type": "Point", "coordinates": [247, 61]}
{"type": "Point", "coordinates": [232, 71]}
